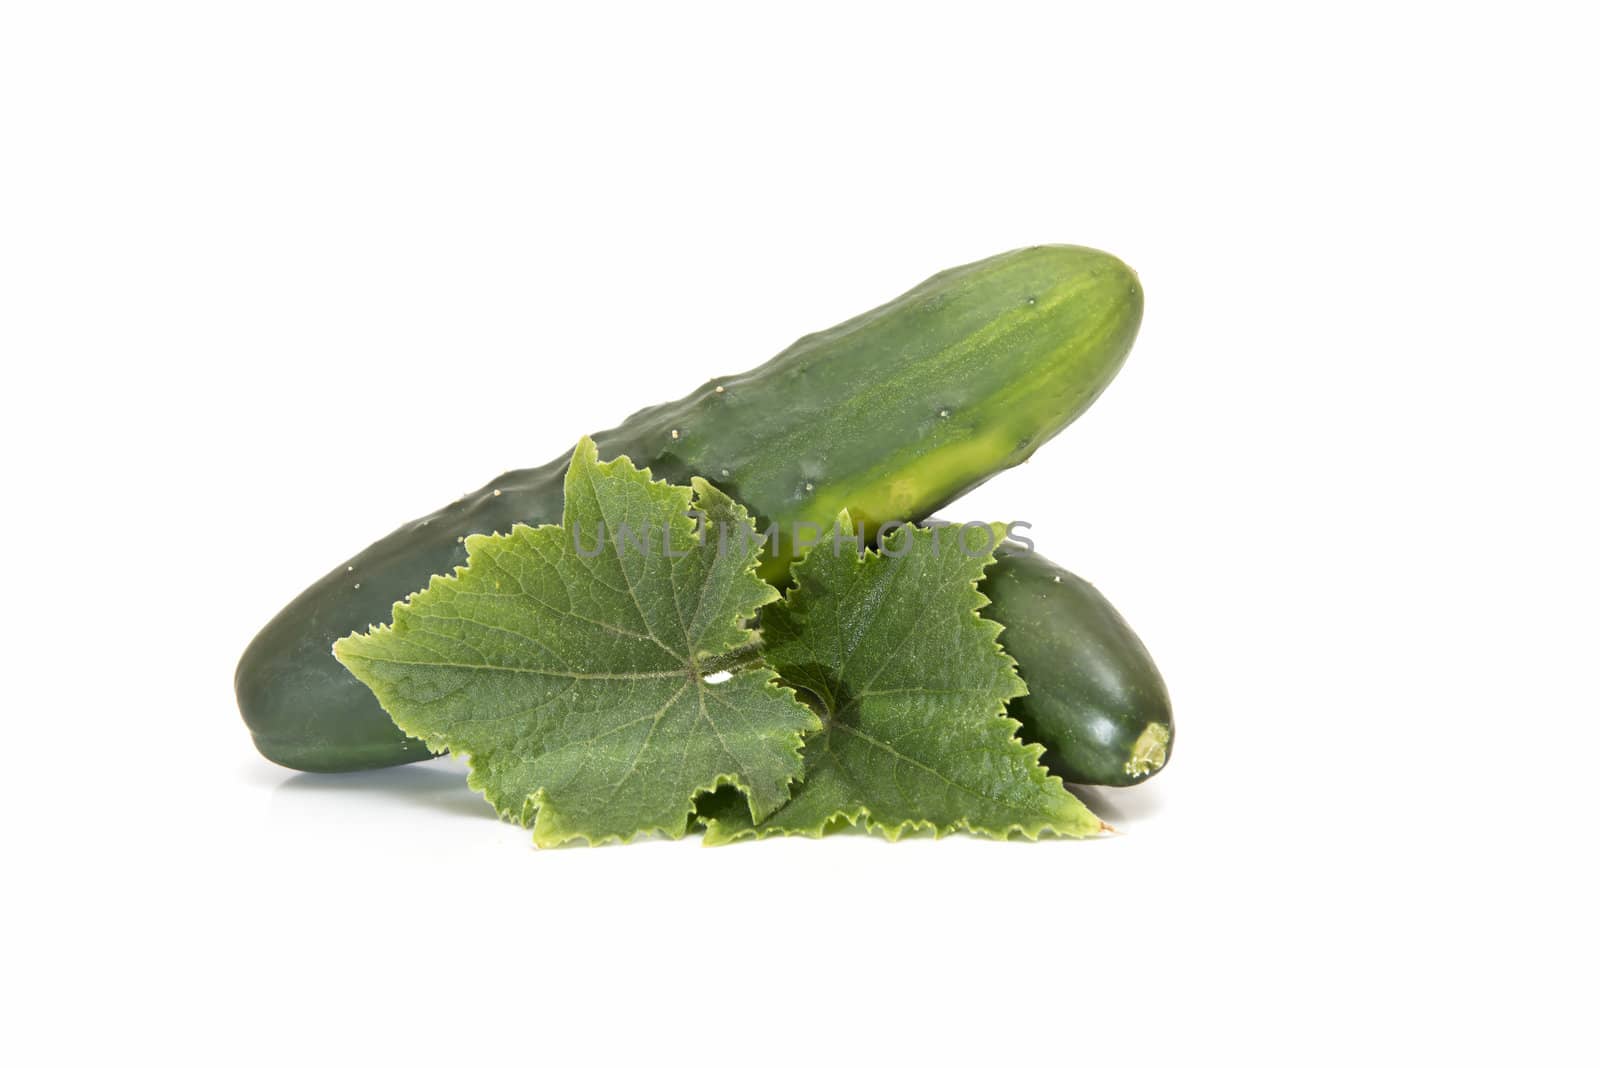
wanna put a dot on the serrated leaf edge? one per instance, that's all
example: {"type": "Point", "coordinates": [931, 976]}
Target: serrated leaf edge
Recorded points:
{"type": "Point", "coordinates": [893, 832]}
{"type": "Point", "coordinates": [527, 817]}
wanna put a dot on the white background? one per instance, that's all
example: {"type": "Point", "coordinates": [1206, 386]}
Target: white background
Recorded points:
{"type": "Point", "coordinates": [275, 278]}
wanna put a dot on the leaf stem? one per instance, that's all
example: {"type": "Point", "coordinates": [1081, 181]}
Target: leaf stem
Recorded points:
{"type": "Point", "coordinates": [732, 660]}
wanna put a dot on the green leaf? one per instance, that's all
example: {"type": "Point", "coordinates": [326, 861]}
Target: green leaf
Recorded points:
{"type": "Point", "coordinates": [577, 685]}
{"type": "Point", "coordinates": [912, 686]}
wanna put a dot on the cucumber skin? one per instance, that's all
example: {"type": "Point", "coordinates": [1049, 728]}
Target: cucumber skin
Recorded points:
{"type": "Point", "coordinates": [892, 414]}
{"type": "Point", "coordinates": [1095, 700]}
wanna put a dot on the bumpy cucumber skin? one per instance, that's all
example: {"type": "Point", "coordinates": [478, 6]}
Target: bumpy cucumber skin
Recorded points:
{"type": "Point", "coordinates": [1095, 700]}
{"type": "Point", "coordinates": [892, 415]}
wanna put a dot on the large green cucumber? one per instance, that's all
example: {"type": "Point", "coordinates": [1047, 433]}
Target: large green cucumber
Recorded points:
{"type": "Point", "coordinates": [1095, 700]}
{"type": "Point", "coordinates": [892, 415]}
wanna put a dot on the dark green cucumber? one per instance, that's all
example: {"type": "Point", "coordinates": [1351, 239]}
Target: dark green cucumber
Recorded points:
{"type": "Point", "coordinates": [1095, 700]}
{"type": "Point", "coordinates": [892, 415]}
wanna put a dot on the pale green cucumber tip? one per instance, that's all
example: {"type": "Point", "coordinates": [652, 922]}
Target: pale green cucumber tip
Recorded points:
{"type": "Point", "coordinates": [1149, 753]}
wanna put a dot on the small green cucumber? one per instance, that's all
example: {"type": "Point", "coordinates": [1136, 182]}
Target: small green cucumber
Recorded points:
{"type": "Point", "coordinates": [1095, 700]}
{"type": "Point", "coordinates": [891, 415]}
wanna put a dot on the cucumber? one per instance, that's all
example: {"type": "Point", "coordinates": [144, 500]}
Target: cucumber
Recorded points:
{"type": "Point", "coordinates": [892, 414]}
{"type": "Point", "coordinates": [1095, 700]}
